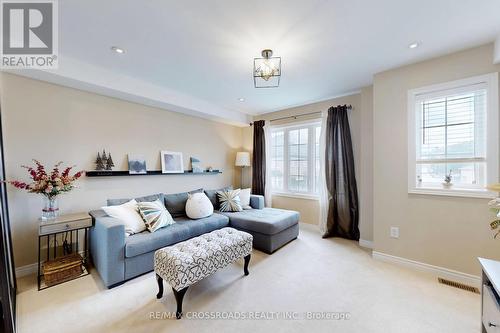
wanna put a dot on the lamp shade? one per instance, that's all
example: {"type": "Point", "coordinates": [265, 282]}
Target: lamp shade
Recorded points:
{"type": "Point", "coordinates": [242, 158]}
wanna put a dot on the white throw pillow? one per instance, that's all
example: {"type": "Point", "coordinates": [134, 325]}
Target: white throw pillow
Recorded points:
{"type": "Point", "coordinates": [198, 206]}
{"type": "Point", "coordinates": [245, 198]}
{"type": "Point", "coordinates": [127, 213]}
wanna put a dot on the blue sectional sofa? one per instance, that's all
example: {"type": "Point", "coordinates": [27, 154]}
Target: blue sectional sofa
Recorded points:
{"type": "Point", "coordinates": [118, 258]}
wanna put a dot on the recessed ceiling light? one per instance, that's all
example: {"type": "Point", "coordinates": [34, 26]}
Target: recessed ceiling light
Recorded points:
{"type": "Point", "coordinates": [117, 49]}
{"type": "Point", "coordinates": [241, 99]}
{"type": "Point", "coordinates": [414, 45]}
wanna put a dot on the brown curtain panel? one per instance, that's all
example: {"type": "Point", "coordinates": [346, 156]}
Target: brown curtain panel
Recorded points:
{"type": "Point", "coordinates": [259, 158]}
{"type": "Point", "coordinates": [343, 213]}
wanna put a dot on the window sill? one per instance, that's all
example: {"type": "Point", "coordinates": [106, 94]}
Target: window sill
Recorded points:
{"type": "Point", "coordinates": [464, 193]}
{"type": "Point", "coordinates": [296, 195]}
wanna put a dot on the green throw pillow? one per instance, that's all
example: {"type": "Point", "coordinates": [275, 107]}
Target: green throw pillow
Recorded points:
{"type": "Point", "coordinates": [154, 215]}
{"type": "Point", "coordinates": [229, 201]}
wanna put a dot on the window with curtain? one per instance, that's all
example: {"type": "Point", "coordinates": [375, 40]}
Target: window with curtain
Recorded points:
{"type": "Point", "coordinates": [452, 137]}
{"type": "Point", "coordinates": [295, 159]}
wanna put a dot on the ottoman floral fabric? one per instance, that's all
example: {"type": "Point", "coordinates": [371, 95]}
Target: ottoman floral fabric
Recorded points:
{"type": "Point", "coordinates": [185, 263]}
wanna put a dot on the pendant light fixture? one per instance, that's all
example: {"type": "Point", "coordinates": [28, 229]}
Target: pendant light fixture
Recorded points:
{"type": "Point", "coordinates": [267, 70]}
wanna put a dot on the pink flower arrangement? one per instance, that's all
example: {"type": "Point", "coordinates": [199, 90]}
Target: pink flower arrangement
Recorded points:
{"type": "Point", "coordinates": [50, 185]}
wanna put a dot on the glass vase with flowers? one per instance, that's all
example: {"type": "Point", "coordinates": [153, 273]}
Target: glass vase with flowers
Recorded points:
{"type": "Point", "coordinates": [49, 184]}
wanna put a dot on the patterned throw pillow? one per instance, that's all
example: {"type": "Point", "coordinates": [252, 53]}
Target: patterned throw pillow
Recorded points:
{"type": "Point", "coordinates": [154, 214]}
{"type": "Point", "coordinates": [229, 201]}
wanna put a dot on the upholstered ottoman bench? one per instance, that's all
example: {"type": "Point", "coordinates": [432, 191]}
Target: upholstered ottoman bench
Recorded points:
{"type": "Point", "coordinates": [271, 228]}
{"type": "Point", "coordinates": [188, 262]}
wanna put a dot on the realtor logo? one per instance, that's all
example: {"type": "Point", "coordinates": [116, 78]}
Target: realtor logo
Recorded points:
{"type": "Point", "coordinates": [29, 34]}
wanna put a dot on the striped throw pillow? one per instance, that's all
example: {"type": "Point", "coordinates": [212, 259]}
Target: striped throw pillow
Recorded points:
{"type": "Point", "coordinates": [229, 201]}
{"type": "Point", "coordinates": [154, 215]}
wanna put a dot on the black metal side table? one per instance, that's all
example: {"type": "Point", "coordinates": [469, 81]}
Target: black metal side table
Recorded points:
{"type": "Point", "coordinates": [64, 235]}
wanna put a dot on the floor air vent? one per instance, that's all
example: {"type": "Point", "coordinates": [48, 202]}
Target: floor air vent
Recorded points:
{"type": "Point", "coordinates": [458, 285]}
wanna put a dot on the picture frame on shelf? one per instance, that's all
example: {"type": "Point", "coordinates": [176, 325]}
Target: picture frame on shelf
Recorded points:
{"type": "Point", "coordinates": [196, 165]}
{"type": "Point", "coordinates": [171, 162]}
{"type": "Point", "coordinates": [136, 164]}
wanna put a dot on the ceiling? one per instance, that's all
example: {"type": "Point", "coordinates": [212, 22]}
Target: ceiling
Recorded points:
{"type": "Point", "coordinates": [195, 56]}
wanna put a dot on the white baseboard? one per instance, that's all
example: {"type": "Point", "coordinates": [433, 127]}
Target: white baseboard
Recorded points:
{"type": "Point", "coordinates": [26, 270]}
{"type": "Point", "coordinates": [366, 243]}
{"type": "Point", "coordinates": [30, 269]}
{"type": "Point", "coordinates": [442, 272]}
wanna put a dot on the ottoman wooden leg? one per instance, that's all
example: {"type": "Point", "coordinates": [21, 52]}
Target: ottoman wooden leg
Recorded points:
{"type": "Point", "coordinates": [179, 296]}
{"type": "Point", "coordinates": [160, 286]}
{"type": "Point", "coordinates": [247, 260]}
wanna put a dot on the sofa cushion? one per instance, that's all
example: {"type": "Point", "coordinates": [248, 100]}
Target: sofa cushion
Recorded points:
{"type": "Point", "coordinates": [184, 228]}
{"type": "Point", "coordinates": [268, 221]}
{"type": "Point", "coordinates": [151, 197]}
{"type": "Point", "coordinates": [229, 201]}
{"type": "Point", "coordinates": [212, 195]}
{"type": "Point", "coordinates": [198, 206]}
{"type": "Point", "coordinates": [127, 213]}
{"type": "Point", "coordinates": [154, 214]}
{"type": "Point", "coordinates": [245, 194]}
{"type": "Point", "coordinates": [176, 203]}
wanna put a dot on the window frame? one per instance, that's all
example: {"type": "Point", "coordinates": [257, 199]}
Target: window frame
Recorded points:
{"type": "Point", "coordinates": [311, 159]}
{"type": "Point", "coordinates": [490, 81]}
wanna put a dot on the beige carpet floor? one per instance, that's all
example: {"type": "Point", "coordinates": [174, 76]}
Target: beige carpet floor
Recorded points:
{"type": "Point", "coordinates": [308, 275]}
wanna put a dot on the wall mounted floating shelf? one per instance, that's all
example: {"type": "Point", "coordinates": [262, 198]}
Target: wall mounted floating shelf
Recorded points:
{"type": "Point", "coordinates": [105, 173]}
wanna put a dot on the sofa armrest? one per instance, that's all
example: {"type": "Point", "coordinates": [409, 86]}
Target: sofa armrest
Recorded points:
{"type": "Point", "coordinates": [107, 246]}
{"type": "Point", "coordinates": [257, 201]}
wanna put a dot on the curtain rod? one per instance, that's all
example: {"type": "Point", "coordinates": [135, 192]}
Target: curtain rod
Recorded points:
{"type": "Point", "coordinates": [349, 107]}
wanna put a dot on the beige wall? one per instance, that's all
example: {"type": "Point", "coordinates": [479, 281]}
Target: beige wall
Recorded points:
{"type": "Point", "coordinates": [360, 122]}
{"type": "Point", "coordinates": [444, 231]}
{"type": "Point", "coordinates": [365, 163]}
{"type": "Point", "coordinates": [247, 145]}
{"type": "Point", "coordinates": [308, 208]}
{"type": "Point", "coordinates": [52, 123]}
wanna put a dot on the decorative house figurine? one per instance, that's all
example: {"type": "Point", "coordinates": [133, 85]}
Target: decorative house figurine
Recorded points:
{"type": "Point", "coordinates": [109, 163]}
{"type": "Point", "coordinates": [99, 165]}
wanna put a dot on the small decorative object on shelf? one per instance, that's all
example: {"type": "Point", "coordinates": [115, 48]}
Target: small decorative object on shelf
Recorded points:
{"type": "Point", "coordinates": [49, 185]}
{"type": "Point", "coordinates": [196, 165]}
{"type": "Point", "coordinates": [104, 162]}
{"type": "Point", "coordinates": [171, 162]}
{"type": "Point", "coordinates": [137, 165]}
{"type": "Point", "coordinates": [447, 180]}
{"type": "Point", "coordinates": [210, 169]}
{"type": "Point", "coordinates": [495, 208]}
{"type": "Point", "coordinates": [104, 157]}
{"type": "Point", "coordinates": [109, 163]}
{"type": "Point", "coordinates": [99, 164]}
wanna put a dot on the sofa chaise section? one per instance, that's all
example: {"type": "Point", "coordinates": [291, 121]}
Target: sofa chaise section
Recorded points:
{"type": "Point", "coordinates": [271, 228]}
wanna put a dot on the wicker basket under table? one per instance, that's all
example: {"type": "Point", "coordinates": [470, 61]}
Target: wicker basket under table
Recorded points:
{"type": "Point", "coordinates": [62, 269]}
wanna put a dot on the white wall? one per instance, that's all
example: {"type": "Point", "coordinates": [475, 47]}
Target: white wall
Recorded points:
{"type": "Point", "coordinates": [53, 123]}
{"type": "Point", "coordinates": [449, 232]}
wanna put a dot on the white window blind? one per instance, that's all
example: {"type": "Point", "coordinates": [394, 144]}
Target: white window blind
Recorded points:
{"type": "Point", "coordinates": [452, 139]}
{"type": "Point", "coordinates": [453, 131]}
